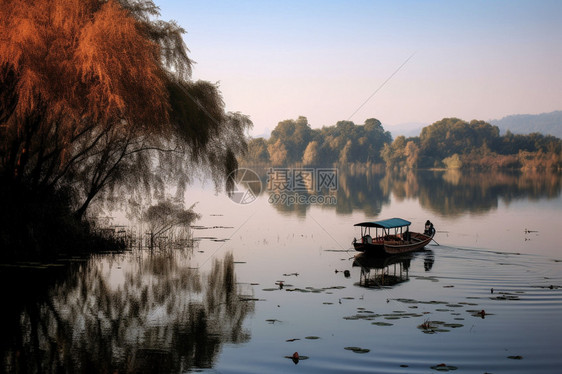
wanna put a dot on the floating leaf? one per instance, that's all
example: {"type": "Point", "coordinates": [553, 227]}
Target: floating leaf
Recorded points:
{"type": "Point", "coordinates": [367, 317]}
{"type": "Point", "coordinates": [453, 325]}
{"type": "Point", "coordinates": [443, 367]}
{"type": "Point", "coordinates": [381, 323]}
{"type": "Point", "coordinates": [407, 301]}
{"type": "Point", "coordinates": [358, 349]}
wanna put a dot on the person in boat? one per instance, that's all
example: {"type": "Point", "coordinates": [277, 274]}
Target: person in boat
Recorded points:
{"type": "Point", "coordinates": [406, 235]}
{"type": "Point", "coordinates": [428, 228]}
{"type": "Point", "coordinates": [367, 239]}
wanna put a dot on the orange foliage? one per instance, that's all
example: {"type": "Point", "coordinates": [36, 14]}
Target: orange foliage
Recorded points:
{"type": "Point", "coordinates": [80, 61]}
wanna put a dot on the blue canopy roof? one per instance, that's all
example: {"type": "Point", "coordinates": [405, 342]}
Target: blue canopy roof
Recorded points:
{"type": "Point", "coordinates": [386, 223]}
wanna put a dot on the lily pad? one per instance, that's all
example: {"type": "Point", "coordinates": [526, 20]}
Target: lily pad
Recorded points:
{"type": "Point", "coordinates": [407, 301]}
{"type": "Point", "coordinates": [356, 317]}
{"type": "Point", "coordinates": [453, 325]}
{"type": "Point", "coordinates": [358, 349]}
{"type": "Point", "coordinates": [382, 323]}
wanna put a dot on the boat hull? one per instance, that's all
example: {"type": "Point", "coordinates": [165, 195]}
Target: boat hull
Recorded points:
{"type": "Point", "coordinates": [395, 246]}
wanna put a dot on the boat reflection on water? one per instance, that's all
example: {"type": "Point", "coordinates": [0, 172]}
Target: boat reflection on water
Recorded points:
{"type": "Point", "coordinates": [377, 272]}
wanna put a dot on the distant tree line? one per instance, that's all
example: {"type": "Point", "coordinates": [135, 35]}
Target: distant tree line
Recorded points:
{"type": "Point", "coordinates": [294, 141]}
{"type": "Point", "coordinates": [449, 143]}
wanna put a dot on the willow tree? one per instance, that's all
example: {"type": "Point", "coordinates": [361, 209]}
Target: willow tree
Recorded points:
{"type": "Point", "coordinates": [99, 92]}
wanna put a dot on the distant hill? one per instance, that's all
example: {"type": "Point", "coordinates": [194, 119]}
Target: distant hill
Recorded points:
{"type": "Point", "coordinates": [545, 123]}
{"type": "Point", "coordinates": [406, 129]}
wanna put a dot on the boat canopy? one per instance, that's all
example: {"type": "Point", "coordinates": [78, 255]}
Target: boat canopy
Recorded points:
{"type": "Point", "coordinates": [386, 223]}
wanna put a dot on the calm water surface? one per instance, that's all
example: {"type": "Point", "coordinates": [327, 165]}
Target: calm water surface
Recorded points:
{"type": "Point", "coordinates": [264, 281]}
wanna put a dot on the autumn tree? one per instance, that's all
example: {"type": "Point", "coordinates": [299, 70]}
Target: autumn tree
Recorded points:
{"type": "Point", "coordinates": [311, 155]}
{"type": "Point", "coordinates": [295, 136]}
{"type": "Point", "coordinates": [257, 151]}
{"type": "Point", "coordinates": [412, 154]}
{"type": "Point", "coordinates": [97, 94]}
{"type": "Point", "coordinates": [95, 83]}
{"type": "Point", "coordinates": [452, 135]}
{"type": "Point", "coordinates": [277, 153]}
{"type": "Point", "coordinates": [393, 154]}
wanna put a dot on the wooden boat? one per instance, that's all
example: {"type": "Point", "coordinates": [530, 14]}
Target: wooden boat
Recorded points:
{"type": "Point", "coordinates": [391, 236]}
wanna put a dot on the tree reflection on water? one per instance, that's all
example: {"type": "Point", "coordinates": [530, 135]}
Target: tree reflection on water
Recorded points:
{"type": "Point", "coordinates": [134, 312]}
{"type": "Point", "coordinates": [449, 193]}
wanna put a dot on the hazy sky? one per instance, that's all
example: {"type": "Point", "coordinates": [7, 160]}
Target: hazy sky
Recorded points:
{"type": "Point", "coordinates": [276, 60]}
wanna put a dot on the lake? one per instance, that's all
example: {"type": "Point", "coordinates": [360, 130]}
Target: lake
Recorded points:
{"type": "Point", "coordinates": [272, 274]}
